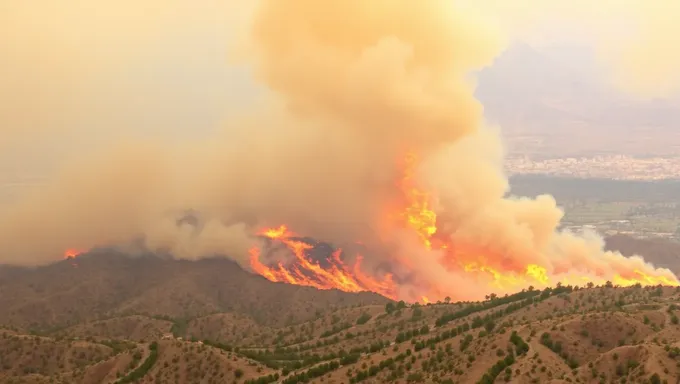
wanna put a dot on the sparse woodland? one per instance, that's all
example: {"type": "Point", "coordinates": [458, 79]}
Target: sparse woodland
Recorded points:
{"type": "Point", "coordinates": [562, 334]}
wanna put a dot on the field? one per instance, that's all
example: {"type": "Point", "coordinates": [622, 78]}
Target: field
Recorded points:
{"type": "Point", "coordinates": [636, 208]}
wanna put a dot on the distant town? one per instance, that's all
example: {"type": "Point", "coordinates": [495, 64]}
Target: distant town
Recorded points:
{"type": "Point", "coordinates": [618, 167]}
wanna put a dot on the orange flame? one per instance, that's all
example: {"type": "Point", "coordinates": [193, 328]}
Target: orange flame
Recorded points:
{"type": "Point", "coordinates": [281, 232]}
{"type": "Point", "coordinates": [71, 254]}
{"type": "Point", "coordinates": [416, 213]}
{"type": "Point", "coordinates": [307, 272]}
{"type": "Point", "coordinates": [421, 218]}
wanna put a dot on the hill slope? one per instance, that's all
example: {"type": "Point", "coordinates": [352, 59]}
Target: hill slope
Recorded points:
{"type": "Point", "coordinates": [114, 319]}
{"type": "Point", "coordinates": [594, 335]}
{"type": "Point", "coordinates": [112, 285]}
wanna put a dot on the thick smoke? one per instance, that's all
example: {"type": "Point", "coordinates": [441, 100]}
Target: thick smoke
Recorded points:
{"type": "Point", "coordinates": [352, 86]}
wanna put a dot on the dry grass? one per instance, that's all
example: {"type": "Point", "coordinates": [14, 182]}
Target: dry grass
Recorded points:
{"type": "Point", "coordinates": [135, 328]}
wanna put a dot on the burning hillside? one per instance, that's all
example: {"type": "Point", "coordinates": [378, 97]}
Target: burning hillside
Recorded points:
{"type": "Point", "coordinates": [495, 270]}
{"type": "Point", "coordinates": [304, 270]}
{"type": "Point", "coordinates": [336, 272]}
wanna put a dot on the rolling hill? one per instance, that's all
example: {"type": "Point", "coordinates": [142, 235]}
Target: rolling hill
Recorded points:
{"type": "Point", "coordinates": [586, 335]}
{"type": "Point", "coordinates": [116, 319]}
{"type": "Point", "coordinates": [104, 285]}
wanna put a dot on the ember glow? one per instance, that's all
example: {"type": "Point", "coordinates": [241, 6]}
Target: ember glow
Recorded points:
{"type": "Point", "coordinates": [71, 254]}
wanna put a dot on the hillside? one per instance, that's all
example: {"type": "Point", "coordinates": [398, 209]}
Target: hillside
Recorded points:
{"type": "Point", "coordinates": [568, 334]}
{"type": "Point", "coordinates": [115, 319]}
{"type": "Point", "coordinates": [109, 285]}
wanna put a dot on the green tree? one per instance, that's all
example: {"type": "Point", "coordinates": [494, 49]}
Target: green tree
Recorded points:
{"type": "Point", "coordinates": [364, 318]}
{"type": "Point", "coordinates": [655, 379]}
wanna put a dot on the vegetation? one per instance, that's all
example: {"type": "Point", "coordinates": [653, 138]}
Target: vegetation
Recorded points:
{"type": "Point", "coordinates": [140, 371]}
{"type": "Point", "coordinates": [373, 370]}
{"type": "Point", "coordinates": [363, 319]}
{"type": "Point", "coordinates": [556, 346]}
{"type": "Point", "coordinates": [479, 342]}
{"type": "Point", "coordinates": [474, 308]}
{"type": "Point", "coordinates": [312, 373]}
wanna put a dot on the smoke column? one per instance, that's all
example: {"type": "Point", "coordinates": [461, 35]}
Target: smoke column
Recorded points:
{"type": "Point", "coordinates": [352, 86]}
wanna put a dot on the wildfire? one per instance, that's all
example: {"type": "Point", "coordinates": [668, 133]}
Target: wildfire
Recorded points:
{"type": "Point", "coordinates": [71, 254]}
{"type": "Point", "coordinates": [416, 213]}
{"type": "Point", "coordinates": [304, 271]}
{"type": "Point", "coordinates": [281, 232]}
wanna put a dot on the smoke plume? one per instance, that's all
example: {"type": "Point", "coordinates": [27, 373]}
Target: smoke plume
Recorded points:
{"type": "Point", "coordinates": [352, 86]}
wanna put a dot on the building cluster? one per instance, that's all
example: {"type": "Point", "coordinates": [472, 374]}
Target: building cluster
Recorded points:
{"type": "Point", "coordinates": [612, 167]}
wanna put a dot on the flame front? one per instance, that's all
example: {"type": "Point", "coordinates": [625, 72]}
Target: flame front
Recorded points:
{"type": "Point", "coordinates": [416, 212]}
{"type": "Point", "coordinates": [304, 271]}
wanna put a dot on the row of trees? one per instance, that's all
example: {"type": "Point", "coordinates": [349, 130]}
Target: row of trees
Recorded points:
{"type": "Point", "coordinates": [556, 346]}
{"type": "Point", "coordinates": [290, 361]}
{"type": "Point", "coordinates": [521, 348]}
{"type": "Point", "coordinates": [373, 370]}
{"type": "Point", "coordinates": [143, 368]}
{"type": "Point", "coordinates": [312, 373]}
{"type": "Point", "coordinates": [408, 335]}
{"type": "Point", "coordinates": [493, 372]}
{"type": "Point", "coordinates": [474, 308]}
{"type": "Point", "coordinates": [264, 379]}
{"type": "Point", "coordinates": [518, 300]}
{"type": "Point", "coordinates": [392, 307]}
{"type": "Point", "coordinates": [336, 329]}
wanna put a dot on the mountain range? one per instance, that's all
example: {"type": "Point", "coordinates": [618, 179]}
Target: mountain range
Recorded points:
{"type": "Point", "coordinates": [548, 100]}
